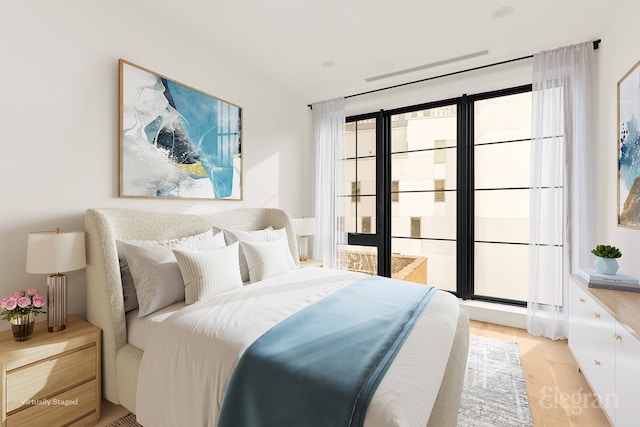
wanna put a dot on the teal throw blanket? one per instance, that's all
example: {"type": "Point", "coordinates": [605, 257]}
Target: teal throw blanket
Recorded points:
{"type": "Point", "coordinates": [322, 365]}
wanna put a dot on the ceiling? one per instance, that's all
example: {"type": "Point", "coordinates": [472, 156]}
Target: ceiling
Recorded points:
{"type": "Point", "coordinates": [327, 48]}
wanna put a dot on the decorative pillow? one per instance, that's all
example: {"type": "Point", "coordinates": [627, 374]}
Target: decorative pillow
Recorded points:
{"type": "Point", "coordinates": [266, 235]}
{"type": "Point", "coordinates": [156, 276]}
{"type": "Point", "coordinates": [266, 259]}
{"type": "Point", "coordinates": [208, 273]}
{"type": "Point", "coordinates": [151, 275]}
{"type": "Point", "coordinates": [128, 288]}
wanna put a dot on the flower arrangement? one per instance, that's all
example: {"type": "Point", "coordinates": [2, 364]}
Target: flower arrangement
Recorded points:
{"type": "Point", "coordinates": [21, 303]}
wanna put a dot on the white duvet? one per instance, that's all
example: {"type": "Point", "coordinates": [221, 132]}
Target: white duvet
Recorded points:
{"type": "Point", "coordinates": [190, 357]}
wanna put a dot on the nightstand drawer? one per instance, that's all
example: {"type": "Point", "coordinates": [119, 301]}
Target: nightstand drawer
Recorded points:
{"type": "Point", "coordinates": [60, 410]}
{"type": "Point", "coordinates": [53, 379]}
{"type": "Point", "coordinates": [50, 376]}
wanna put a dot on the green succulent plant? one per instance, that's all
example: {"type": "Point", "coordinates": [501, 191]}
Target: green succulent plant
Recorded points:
{"type": "Point", "coordinates": [606, 251]}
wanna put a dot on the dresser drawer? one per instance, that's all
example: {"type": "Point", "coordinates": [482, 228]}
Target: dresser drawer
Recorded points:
{"type": "Point", "coordinates": [601, 377]}
{"type": "Point", "coordinates": [591, 328]}
{"type": "Point", "coordinates": [63, 409]}
{"type": "Point", "coordinates": [50, 376]}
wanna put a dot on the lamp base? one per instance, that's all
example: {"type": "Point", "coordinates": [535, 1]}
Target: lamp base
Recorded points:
{"type": "Point", "coordinates": [56, 302]}
{"type": "Point", "coordinates": [303, 247]}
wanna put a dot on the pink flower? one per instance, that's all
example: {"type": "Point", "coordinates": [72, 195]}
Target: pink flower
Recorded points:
{"type": "Point", "coordinates": [32, 292]}
{"type": "Point", "coordinates": [11, 303]}
{"type": "Point", "coordinates": [24, 302]}
{"type": "Point", "coordinates": [3, 303]}
{"type": "Point", "coordinates": [17, 295]}
{"type": "Point", "coordinates": [38, 301]}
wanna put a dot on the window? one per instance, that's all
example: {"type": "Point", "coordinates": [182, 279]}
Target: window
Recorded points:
{"type": "Point", "coordinates": [366, 224]}
{"type": "Point", "coordinates": [460, 166]}
{"type": "Point", "coordinates": [501, 151]}
{"type": "Point", "coordinates": [355, 191]}
{"type": "Point", "coordinates": [419, 140]}
{"type": "Point", "coordinates": [360, 174]}
{"type": "Point", "coordinates": [416, 225]}
{"type": "Point", "coordinates": [395, 186]}
{"type": "Point", "coordinates": [438, 185]}
{"type": "Point", "coordinates": [440, 156]}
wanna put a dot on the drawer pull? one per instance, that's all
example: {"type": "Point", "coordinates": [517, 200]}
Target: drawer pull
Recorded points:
{"type": "Point", "coordinates": [617, 337]}
{"type": "Point", "coordinates": [582, 300]}
{"type": "Point", "coordinates": [596, 362]}
{"type": "Point", "coordinates": [596, 315]}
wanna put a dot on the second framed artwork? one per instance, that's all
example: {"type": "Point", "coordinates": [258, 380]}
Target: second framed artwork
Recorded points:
{"type": "Point", "coordinates": [629, 148]}
{"type": "Point", "coordinates": [176, 141]}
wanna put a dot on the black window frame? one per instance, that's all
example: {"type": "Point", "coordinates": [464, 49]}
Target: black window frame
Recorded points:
{"type": "Point", "coordinates": [465, 240]}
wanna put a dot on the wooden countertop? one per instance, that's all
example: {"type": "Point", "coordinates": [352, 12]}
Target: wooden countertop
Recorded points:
{"type": "Point", "coordinates": [624, 306]}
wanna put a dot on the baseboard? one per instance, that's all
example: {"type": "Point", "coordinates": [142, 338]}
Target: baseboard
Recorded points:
{"type": "Point", "coordinates": [500, 314]}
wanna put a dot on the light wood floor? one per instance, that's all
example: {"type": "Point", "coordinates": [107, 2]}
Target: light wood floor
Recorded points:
{"type": "Point", "coordinates": [558, 393]}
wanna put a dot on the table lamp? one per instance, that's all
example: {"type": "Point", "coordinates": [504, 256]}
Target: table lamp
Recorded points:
{"type": "Point", "coordinates": [55, 252]}
{"type": "Point", "coordinates": [304, 227]}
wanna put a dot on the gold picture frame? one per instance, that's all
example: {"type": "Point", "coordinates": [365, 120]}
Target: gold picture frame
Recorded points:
{"type": "Point", "coordinates": [629, 148]}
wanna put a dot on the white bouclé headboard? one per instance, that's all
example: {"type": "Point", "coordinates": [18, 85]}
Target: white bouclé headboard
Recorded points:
{"type": "Point", "coordinates": [105, 302]}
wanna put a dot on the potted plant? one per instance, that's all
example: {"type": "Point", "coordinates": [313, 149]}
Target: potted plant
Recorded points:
{"type": "Point", "coordinates": [606, 258]}
{"type": "Point", "coordinates": [20, 309]}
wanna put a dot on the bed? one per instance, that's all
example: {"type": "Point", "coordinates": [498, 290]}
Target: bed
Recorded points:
{"type": "Point", "coordinates": [122, 353]}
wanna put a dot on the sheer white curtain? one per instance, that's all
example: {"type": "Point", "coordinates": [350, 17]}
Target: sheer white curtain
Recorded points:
{"type": "Point", "coordinates": [562, 195]}
{"type": "Point", "coordinates": [328, 136]}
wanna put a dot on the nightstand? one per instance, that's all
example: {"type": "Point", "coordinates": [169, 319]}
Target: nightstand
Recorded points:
{"type": "Point", "coordinates": [53, 379]}
{"type": "Point", "coordinates": [310, 263]}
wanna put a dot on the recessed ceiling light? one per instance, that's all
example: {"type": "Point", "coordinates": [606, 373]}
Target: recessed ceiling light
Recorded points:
{"type": "Point", "coordinates": [503, 11]}
{"type": "Point", "coordinates": [328, 64]}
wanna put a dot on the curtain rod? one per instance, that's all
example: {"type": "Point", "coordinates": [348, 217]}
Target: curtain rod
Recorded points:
{"type": "Point", "coordinates": [596, 44]}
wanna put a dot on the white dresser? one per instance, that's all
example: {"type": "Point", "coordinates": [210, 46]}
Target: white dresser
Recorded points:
{"type": "Point", "coordinates": [604, 337]}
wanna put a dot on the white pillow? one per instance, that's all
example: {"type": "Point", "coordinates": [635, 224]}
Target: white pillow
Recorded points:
{"type": "Point", "coordinates": [128, 288]}
{"type": "Point", "coordinates": [154, 273]}
{"type": "Point", "coordinates": [208, 273]}
{"type": "Point", "coordinates": [266, 235]}
{"type": "Point", "coordinates": [156, 276]}
{"type": "Point", "coordinates": [266, 259]}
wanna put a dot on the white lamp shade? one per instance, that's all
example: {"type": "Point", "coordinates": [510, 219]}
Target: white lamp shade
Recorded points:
{"type": "Point", "coordinates": [55, 251]}
{"type": "Point", "coordinates": [304, 226]}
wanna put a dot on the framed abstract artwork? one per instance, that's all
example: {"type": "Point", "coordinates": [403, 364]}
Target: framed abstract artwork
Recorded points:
{"type": "Point", "coordinates": [176, 141]}
{"type": "Point", "coordinates": [629, 149]}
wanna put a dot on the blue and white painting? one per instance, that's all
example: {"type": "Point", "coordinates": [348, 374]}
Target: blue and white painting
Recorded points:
{"type": "Point", "coordinates": [629, 153]}
{"type": "Point", "coordinates": [176, 142]}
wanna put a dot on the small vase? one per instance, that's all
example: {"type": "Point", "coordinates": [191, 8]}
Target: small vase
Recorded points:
{"type": "Point", "coordinates": [22, 326]}
{"type": "Point", "coordinates": [606, 265]}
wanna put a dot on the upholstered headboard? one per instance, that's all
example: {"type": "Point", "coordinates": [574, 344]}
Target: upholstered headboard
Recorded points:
{"type": "Point", "coordinates": [105, 301]}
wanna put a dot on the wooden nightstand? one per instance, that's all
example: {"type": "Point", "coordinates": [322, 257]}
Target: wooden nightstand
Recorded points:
{"type": "Point", "coordinates": [310, 263]}
{"type": "Point", "coordinates": [53, 379]}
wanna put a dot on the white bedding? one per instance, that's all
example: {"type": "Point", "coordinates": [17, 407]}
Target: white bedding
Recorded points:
{"type": "Point", "coordinates": [188, 361]}
{"type": "Point", "coordinates": [139, 329]}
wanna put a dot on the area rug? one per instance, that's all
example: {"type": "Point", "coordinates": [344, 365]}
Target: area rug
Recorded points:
{"type": "Point", "coordinates": [128, 420]}
{"type": "Point", "coordinates": [494, 393]}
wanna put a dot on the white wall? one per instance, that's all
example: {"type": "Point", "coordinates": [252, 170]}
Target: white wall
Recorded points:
{"type": "Point", "coordinates": [486, 80]}
{"type": "Point", "coordinates": [59, 108]}
{"type": "Point", "coordinates": [620, 51]}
